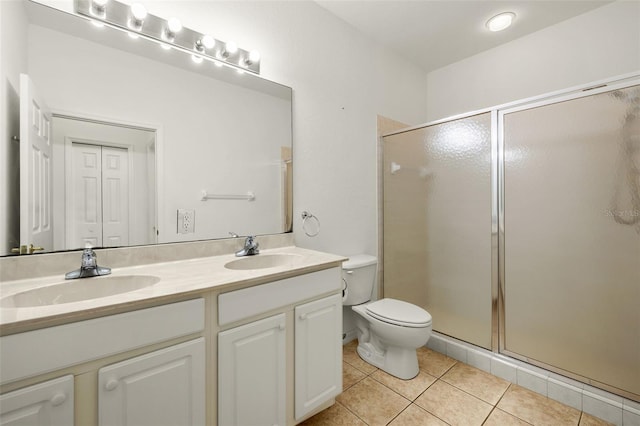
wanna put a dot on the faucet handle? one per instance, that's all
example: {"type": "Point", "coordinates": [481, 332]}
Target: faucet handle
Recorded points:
{"type": "Point", "coordinates": [89, 258]}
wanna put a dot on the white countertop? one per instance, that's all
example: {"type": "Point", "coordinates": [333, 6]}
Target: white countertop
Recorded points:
{"type": "Point", "coordinates": [178, 278]}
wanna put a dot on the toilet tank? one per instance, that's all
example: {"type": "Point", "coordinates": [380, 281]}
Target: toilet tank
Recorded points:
{"type": "Point", "coordinates": [358, 276]}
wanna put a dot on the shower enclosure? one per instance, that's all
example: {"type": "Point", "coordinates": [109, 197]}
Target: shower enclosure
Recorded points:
{"type": "Point", "coordinates": [518, 229]}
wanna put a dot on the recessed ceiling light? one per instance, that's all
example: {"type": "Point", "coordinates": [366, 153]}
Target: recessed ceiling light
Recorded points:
{"type": "Point", "coordinates": [501, 22]}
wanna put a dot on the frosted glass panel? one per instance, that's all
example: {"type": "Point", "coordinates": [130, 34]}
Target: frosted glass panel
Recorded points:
{"type": "Point", "coordinates": [572, 236]}
{"type": "Point", "coordinates": [437, 224]}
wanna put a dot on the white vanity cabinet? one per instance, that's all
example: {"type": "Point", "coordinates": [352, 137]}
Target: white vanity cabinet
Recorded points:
{"type": "Point", "coordinates": [161, 387]}
{"type": "Point", "coordinates": [252, 357]}
{"type": "Point", "coordinates": [49, 403]}
{"type": "Point", "coordinates": [165, 387]}
{"type": "Point", "coordinates": [252, 373]}
{"type": "Point", "coordinates": [318, 353]}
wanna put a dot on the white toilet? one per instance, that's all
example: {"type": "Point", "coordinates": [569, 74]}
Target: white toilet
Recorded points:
{"type": "Point", "coordinates": [389, 330]}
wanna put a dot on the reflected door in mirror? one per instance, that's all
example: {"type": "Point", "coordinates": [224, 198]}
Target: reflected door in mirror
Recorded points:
{"type": "Point", "coordinates": [98, 199]}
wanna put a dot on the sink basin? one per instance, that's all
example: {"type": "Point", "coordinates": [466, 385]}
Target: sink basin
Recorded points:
{"type": "Point", "coordinates": [263, 261]}
{"type": "Point", "coordinates": [78, 290]}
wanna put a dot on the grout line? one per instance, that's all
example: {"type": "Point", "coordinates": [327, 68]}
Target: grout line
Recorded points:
{"type": "Point", "coordinates": [468, 393]}
{"type": "Point", "coordinates": [357, 416]}
{"type": "Point", "coordinates": [433, 414]}
{"type": "Point", "coordinates": [489, 415]}
{"type": "Point", "coordinates": [476, 396]}
{"type": "Point", "coordinates": [396, 416]}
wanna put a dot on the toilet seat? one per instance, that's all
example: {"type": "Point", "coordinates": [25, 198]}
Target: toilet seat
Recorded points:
{"type": "Point", "coordinates": [399, 313]}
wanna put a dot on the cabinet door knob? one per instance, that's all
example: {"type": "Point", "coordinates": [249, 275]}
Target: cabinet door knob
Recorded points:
{"type": "Point", "coordinates": [58, 399]}
{"type": "Point", "coordinates": [281, 326]}
{"type": "Point", "coordinates": [303, 317]}
{"type": "Point", "coordinates": [111, 385]}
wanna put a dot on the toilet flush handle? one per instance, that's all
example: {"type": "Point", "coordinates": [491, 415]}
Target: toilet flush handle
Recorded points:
{"type": "Point", "coordinates": [348, 272]}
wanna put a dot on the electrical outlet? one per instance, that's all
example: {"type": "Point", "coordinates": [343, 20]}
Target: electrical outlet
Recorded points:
{"type": "Point", "coordinates": [186, 221]}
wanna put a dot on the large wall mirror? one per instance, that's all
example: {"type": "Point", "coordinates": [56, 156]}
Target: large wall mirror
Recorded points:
{"type": "Point", "coordinates": [132, 136]}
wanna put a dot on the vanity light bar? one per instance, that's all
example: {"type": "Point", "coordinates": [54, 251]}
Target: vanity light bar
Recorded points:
{"type": "Point", "coordinates": [120, 15]}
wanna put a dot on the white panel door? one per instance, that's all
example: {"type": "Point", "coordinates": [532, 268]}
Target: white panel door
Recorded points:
{"type": "Point", "coordinates": [115, 197]}
{"type": "Point", "coordinates": [318, 353]}
{"type": "Point", "coordinates": [99, 196]}
{"type": "Point", "coordinates": [251, 374]}
{"type": "Point", "coordinates": [165, 387]}
{"type": "Point", "coordinates": [85, 197]}
{"type": "Point", "coordinates": [45, 404]}
{"type": "Point", "coordinates": [35, 168]}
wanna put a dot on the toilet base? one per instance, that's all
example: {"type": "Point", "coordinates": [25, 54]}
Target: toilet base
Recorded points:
{"type": "Point", "coordinates": [399, 362]}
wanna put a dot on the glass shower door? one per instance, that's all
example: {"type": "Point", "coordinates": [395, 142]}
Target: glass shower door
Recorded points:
{"type": "Point", "coordinates": [437, 224]}
{"type": "Point", "coordinates": [572, 236]}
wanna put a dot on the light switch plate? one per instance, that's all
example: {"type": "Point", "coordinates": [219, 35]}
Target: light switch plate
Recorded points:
{"type": "Point", "coordinates": [186, 221]}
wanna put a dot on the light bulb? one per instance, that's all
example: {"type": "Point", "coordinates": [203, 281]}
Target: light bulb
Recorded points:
{"type": "Point", "coordinates": [208, 41]}
{"type": "Point", "coordinates": [500, 22]}
{"type": "Point", "coordinates": [230, 47]}
{"type": "Point", "coordinates": [174, 25]}
{"type": "Point", "coordinates": [100, 3]}
{"type": "Point", "coordinates": [138, 11]}
{"type": "Point", "coordinates": [197, 59]}
{"type": "Point", "coordinates": [254, 56]}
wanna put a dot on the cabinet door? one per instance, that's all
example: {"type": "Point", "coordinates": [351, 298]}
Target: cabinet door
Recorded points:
{"type": "Point", "coordinates": [251, 374]}
{"type": "Point", "coordinates": [318, 353]}
{"type": "Point", "coordinates": [165, 387]}
{"type": "Point", "coordinates": [49, 403]}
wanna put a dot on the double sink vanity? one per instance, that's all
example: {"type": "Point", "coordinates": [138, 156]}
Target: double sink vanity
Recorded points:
{"type": "Point", "coordinates": [206, 340]}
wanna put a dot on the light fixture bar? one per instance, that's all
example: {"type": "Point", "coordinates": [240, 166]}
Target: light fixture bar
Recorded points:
{"type": "Point", "coordinates": [119, 15]}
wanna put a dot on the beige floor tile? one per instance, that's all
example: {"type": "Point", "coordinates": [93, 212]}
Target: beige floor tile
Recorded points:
{"type": "Point", "coordinates": [478, 383]}
{"type": "Point", "coordinates": [537, 409]}
{"type": "Point", "coordinates": [433, 362]}
{"type": "Point", "coordinates": [336, 415]}
{"type": "Point", "coordinates": [589, 420]}
{"type": "Point", "coordinates": [350, 355]}
{"type": "Point", "coordinates": [453, 405]}
{"type": "Point", "coordinates": [350, 376]}
{"type": "Point", "coordinates": [416, 416]}
{"type": "Point", "coordinates": [410, 389]}
{"type": "Point", "coordinates": [373, 402]}
{"type": "Point", "coordinates": [500, 418]}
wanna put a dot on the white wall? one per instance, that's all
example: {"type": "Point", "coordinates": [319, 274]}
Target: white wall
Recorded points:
{"type": "Point", "coordinates": [13, 61]}
{"type": "Point", "coordinates": [599, 44]}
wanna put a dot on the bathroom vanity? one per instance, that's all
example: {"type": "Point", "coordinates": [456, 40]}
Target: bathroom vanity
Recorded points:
{"type": "Point", "coordinates": [215, 340]}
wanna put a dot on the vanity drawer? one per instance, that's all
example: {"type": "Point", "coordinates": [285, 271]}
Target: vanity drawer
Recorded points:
{"type": "Point", "coordinates": [252, 301]}
{"type": "Point", "coordinates": [36, 352]}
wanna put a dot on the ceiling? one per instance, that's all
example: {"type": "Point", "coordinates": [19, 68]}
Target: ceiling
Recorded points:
{"type": "Point", "coordinates": [433, 34]}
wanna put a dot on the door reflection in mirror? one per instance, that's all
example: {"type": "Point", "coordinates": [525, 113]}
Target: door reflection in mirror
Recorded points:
{"type": "Point", "coordinates": [106, 174]}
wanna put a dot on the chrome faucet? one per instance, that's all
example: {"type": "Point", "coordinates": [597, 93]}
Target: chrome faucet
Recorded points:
{"type": "Point", "coordinates": [88, 268]}
{"type": "Point", "coordinates": [250, 247]}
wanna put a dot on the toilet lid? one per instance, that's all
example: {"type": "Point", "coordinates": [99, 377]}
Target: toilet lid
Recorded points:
{"type": "Point", "coordinates": [398, 312]}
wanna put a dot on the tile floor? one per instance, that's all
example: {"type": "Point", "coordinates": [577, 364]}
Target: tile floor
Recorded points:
{"type": "Point", "coordinates": [444, 392]}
